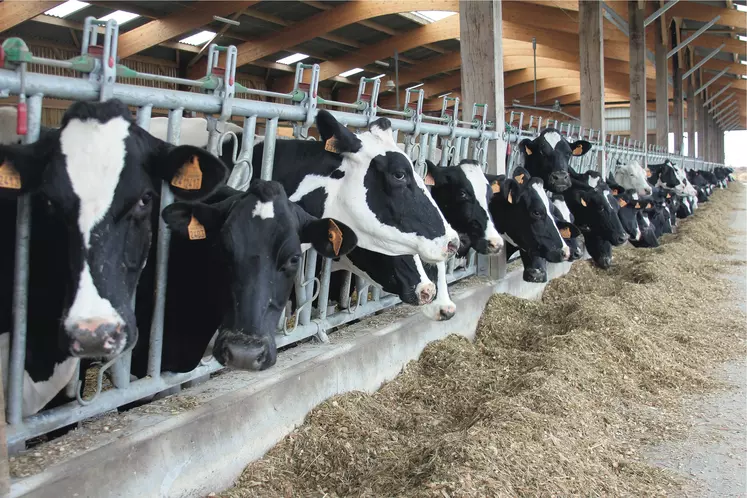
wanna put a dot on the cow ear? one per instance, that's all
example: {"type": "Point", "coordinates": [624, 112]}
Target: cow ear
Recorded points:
{"type": "Point", "coordinates": [521, 175]}
{"type": "Point", "coordinates": [511, 191]}
{"type": "Point", "coordinates": [382, 128]}
{"type": "Point", "coordinates": [526, 147]}
{"type": "Point", "coordinates": [337, 139]}
{"type": "Point", "coordinates": [331, 238]}
{"type": "Point", "coordinates": [434, 176]}
{"type": "Point", "coordinates": [580, 196]}
{"type": "Point", "coordinates": [191, 172]}
{"type": "Point", "coordinates": [580, 147]}
{"type": "Point", "coordinates": [193, 221]}
{"type": "Point", "coordinates": [22, 166]}
{"type": "Point", "coordinates": [567, 230]}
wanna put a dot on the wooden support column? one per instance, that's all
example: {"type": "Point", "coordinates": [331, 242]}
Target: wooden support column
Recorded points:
{"type": "Point", "coordinates": [481, 34]}
{"type": "Point", "coordinates": [662, 84]}
{"type": "Point", "coordinates": [691, 112]}
{"type": "Point", "coordinates": [678, 114]}
{"type": "Point", "coordinates": [591, 43]}
{"type": "Point", "coordinates": [636, 16]}
{"type": "Point", "coordinates": [701, 112]}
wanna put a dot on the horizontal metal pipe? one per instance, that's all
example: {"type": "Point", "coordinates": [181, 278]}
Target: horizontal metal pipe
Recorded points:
{"type": "Point", "coordinates": [722, 111]}
{"type": "Point", "coordinates": [725, 70]}
{"type": "Point", "coordinates": [693, 36]}
{"type": "Point", "coordinates": [721, 102]}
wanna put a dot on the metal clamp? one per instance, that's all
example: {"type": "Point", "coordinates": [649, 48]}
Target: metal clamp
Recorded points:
{"type": "Point", "coordinates": [105, 67]}
{"type": "Point", "coordinates": [369, 102]}
{"type": "Point", "coordinates": [305, 95]}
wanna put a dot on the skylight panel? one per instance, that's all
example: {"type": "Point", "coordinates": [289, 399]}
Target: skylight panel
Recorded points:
{"type": "Point", "coordinates": [351, 72]}
{"type": "Point", "coordinates": [121, 16]}
{"type": "Point", "coordinates": [198, 39]}
{"type": "Point", "coordinates": [433, 15]}
{"type": "Point", "coordinates": [292, 59]}
{"type": "Point", "coordinates": [67, 8]}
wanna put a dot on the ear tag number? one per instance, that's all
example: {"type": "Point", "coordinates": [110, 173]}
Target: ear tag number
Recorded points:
{"type": "Point", "coordinates": [189, 176]}
{"type": "Point", "coordinates": [9, 177]}
{"type": "Point", "coordinates": [335, 237]}
{"type": "Point", "coordinates": [196, 230]}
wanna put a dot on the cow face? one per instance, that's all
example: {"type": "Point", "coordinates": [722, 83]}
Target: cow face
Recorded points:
{"type": "Point", "coordinates": [632, 176]}
{"type": "Point", "coordinates": [376, 192]}
{"type": "Point", "coordinates": [405, 276]}
{"type": "Point", "coordinates": [595, 212]}
{"type": "Point", "coordinates": [463, 195]}
{"type": "Point", "coordinates": [548, 157]}
{"type": "Point", "coordinates": [523, 216]}
{"type": "Point", "coordinates": [260, 234]}
{"type": "Point", "coordinates": [663, 174]}
{"type": "Point", "coordinates": [101, 174]}
{"type": "Point", "coordinates": [564, 222]}
{"type": "Point", "coordinates": [628, 213]}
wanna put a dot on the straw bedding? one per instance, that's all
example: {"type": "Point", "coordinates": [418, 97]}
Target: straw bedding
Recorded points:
{"type": "Point", "coordinates": [555, 397]}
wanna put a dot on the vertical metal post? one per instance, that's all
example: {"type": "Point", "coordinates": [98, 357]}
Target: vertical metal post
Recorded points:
{"type": "Point", "coordinates": [396, 77]}
{"type": "Point", "coordinates": [173, 135]}
{"type": "Point", "coordinates": [305, 315]}
{"type": "Point", "coordinates": [16, 367]}
{"type": "Point", "coordinates": [323, 302]}
{"type": "Point", "coordinates": [268, 155]}
{"type": "Point", "coordinates": [534, 57]}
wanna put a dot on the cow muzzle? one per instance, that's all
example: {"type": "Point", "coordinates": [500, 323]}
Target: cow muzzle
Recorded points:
{"type": "Point", "coordinates": [492, 246]}
{"type": "Point", "coordinates": [245, 351]}
{"type": "Point", "coordinates": [559, 181]}
{"type": "Point", "coordinates": [425, 293]}
{"type": "Point", "coordinates": [96, 338]}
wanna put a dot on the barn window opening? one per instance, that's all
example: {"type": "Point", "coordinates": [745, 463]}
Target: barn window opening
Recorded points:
{"type": "Point", "coordinates": [199, 38]}
{"type": "Point", "coordinates": [67, 8]}
{"type": "Point", "coordinates": [121, 16]}
{"type": "Point", "coordinates": [292, 59]}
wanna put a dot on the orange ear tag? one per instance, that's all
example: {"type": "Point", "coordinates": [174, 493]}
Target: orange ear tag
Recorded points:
{"type": "Point", "coordinates": [196, 230]}
{"type": "Point", "coordinates": [565, 233]}
{"type": "Point", "coordinates": [583, 203]}
{"type": "Point", "coordinates": [528, 150]}
{"type": "Point", "coordinates": [189, 176]}
{"type": "Point", "coordinates": [520, 179]}
{"type": "Point", "coordinates": [622, 203]}
{"type": "Point", "coordinates": [495, 187]}
{"type": "Point", "coordinates": [578, 150]}
{"type": "Point", "coordinates": [9, 177]}
{"type": "Point", "coordinates": [331, 146]}
{"type": "Point", "coordinates": [648, 173]}
{"type": "Point", "coordinates": [429, 180]}
{"type": "Point", "coordinates": [335, 237]}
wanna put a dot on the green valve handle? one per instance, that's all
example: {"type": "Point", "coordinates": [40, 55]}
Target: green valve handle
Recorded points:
{"type": "Point", "coordinates": [123, 72]}
{"type": "Point", "coordinates": [221, 48]}
{"type": "Point", "coordinates": [15, 50]}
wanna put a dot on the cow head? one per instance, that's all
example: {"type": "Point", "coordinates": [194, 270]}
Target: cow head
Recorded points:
{"type": "Point", "coordinates": [629, 203]}
{"type": "Point", "coordinates": [632, 176]}
{"type": "Point", "coordinates": [101, 174]}
{"type": "Point", "coordinates": [664, 174]}
{"type": "Point", "coordinates": [377, 193]}
{"type": "Point", "coordinates": [595, 211]}
{"type": "Point", "coordinates": [564, 221]}
{"type": "Point", "coordinates": [523, 216]}
{"type": "Point", "coordinates": [548, 157]}
{"type": "Point", "coordinates": [260, 233]}
{"type": "Point", "coordinates": [463, 195]}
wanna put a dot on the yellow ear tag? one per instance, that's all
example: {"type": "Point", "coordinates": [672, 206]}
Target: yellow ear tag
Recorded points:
{"type": "Point", "coordinates": [9, 177]}
{"type": "Point", "coordinates": [495, 187]}
{"type": "Point", "coordinates": [578, 150]}
{"type": "Point", "coordinates": [335, 236]}
{"type": "Point", "coordinates": [510, 197]}
{"type": "Point", "coordinates": [520, 179]}
{"type": "Point", "coordinates": [638, 205]}
{"type": "Point", "coordinates": [622, 203]}
{"type": "Point", "coordinates": [331, 146]}
{"type": "Point", "coordinates": [528, 150]}
{"type": "Point", "coordinates": [669, 196]}
{"type": "Point", "coordinates": [429, 179]}
{"type": "Point", "coordinates": [648, 173]}
{"type": "Point", "coordinates": [196, 230]}
{"type": "Point", "coordinates": [565, 233]}
{"type": "Point", "coordinates": [583, 203]}
{"type": "Point", "coordinates": [189, 176]}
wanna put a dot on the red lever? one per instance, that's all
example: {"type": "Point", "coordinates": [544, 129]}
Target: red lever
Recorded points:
{"type": "Point", "coordinates": [22, 123]}
{"type": "Point", "coordinates": [2, 56]}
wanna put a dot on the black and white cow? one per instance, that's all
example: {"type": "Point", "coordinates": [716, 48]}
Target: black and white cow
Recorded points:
{"type": "Point", "coordinates": [662, 175]}
{"type": "Point", "coordinates": [232, 263]}
{"type": "Point", "coordinates": [94, 184]}
{"type": "Point", "coordinates": [561, 213]}
{"type": "Point", "coordinates": [523, 216]}
{"type": "Point", "coordinates": [548, 157]}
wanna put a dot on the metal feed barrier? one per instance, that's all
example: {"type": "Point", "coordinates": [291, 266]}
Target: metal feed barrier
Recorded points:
{"type": "Point", "coordinates": [217, 94]}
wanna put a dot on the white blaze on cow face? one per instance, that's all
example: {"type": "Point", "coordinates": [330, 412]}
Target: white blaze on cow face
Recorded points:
{"type": "Point", "coordinates": [541, 193]}
{"type": "Point", "coordinates": [264, 210]}
{"type": "Point", "coordinates": [553, 138]}
{"type": "Point", "coordinates": [563, 208]}
{"type": "Point", "coordinates": [94, 159]}
{"type": "Point", "coordinates": [480, 186]}
{"type": "Point", "coordinates": [346, 201]}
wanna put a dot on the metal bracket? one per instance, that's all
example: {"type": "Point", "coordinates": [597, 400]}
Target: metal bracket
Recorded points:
{"type": "Point", "coordinates": [305, 95]}
{"type": "Point", "coordinates": [369, 102]}
{"type": "Point", "coordinates": [105, 68]}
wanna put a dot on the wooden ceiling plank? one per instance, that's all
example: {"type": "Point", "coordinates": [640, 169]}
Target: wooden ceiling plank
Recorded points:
{"type": "Point", "coordinates": [13, 13]}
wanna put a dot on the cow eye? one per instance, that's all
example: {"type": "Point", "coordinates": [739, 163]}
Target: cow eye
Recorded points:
{"type": "Point", "coordinates": [399, 176]}
{"type": "Point", "coordinates": [463, 194]}
{"type": "Point", "coordinates": [145, 200]}
{"type": "Point", "coordinates": [536, 214]}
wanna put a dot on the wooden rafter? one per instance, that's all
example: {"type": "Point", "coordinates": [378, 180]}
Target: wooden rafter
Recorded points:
{"type": "Point", "coordinates": [704, 13]}
{"type": "Point", "coordinates": [13, 13]}
{"type": "Point", "coordinates": [733, 45]}
{"type": "Point", "coordinates": [178, 23]}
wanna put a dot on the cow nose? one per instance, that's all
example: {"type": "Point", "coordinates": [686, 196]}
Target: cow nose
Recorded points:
{"type": "Point", "coordinates": [604, 262]}
{"type": "Point", "coordinates": [426, 293]}
{"type": "Point", "coordinates": [96, 338]}
{"type": "Point", "coordinates": [495, 245]}
{"type": "Point", "coordinates": [446, 313]}
{"type": "Point", "coordinates": [452, 247]}
{"type": "Point", "coordinates": [250, 355]}
{"type": "Point", "coordinates": [621, 239]}
{"type": "Point", "coordinates": [566, 253]}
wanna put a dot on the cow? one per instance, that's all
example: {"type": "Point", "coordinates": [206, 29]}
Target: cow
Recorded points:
{"type": "Point", "coordinates": [97, 178]}
{"type": "Point", "coordinates": [523, 216]}
{"type": "Point", "coordinates": [632, 176]}
{"type": "Point", "coordinates": [662, 175]}
{"type": "Point", "coordinates": [548, 157]}
{"type": "Point", "coordinates": [233, 260]}
{"type": "Point", "coordinates": [561, 213]}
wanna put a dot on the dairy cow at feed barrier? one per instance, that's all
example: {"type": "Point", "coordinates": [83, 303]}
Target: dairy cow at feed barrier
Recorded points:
{"type": "Point", "coordinates": [93, 183]}
{"type": "Point", "coordinates": [548, 157]}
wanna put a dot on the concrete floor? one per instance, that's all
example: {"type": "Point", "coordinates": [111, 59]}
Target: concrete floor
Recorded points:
{"type": "Point", "coordinates": [714, 455]}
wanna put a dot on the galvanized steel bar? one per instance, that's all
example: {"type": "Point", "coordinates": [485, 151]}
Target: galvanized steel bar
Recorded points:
{"type": "Point", "coordinates": [722, 111]}
{"type": "Point", "coordinates": [702, 61]}
{"type": "Point", "coordinates": [693, 36]}
{"type": "Point", "coordinates": [16, 367]}
{"type": "Point", "coordinates": [653, 17]}
{"type": "Point", "coordinates": [722, 102]}
{"type": "Point", "coordinates": [173, 135]}
{"type": "Point", "coordinates": [268, 155]}
{"type": "Point", "coordinates": [723, 72]}
{"type": "Point", "coordinates": [716, 95]}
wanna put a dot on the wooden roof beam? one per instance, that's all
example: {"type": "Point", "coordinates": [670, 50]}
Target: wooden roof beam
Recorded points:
{"type": "Point", "coordinates": [178, 23]}
{"type": "Point", "coordinates": [14, 13]}
{"type": "Point", "coordinates": [330, 20]}
{"type": "Point", "coordinates": [704, 13]}
{"type": "Point", "coordinates": [733, 45]}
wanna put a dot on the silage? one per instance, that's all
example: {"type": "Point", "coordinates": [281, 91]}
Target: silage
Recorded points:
{"type": "Point", "coordinates": [554, 397]}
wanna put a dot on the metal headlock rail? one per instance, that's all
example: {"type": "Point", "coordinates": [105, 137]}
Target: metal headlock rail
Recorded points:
{"type": "Point", "coordinates": [217, 97]}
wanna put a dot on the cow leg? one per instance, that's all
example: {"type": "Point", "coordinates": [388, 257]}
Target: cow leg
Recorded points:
{"type": "Point", "coordinates": [442, 307]}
